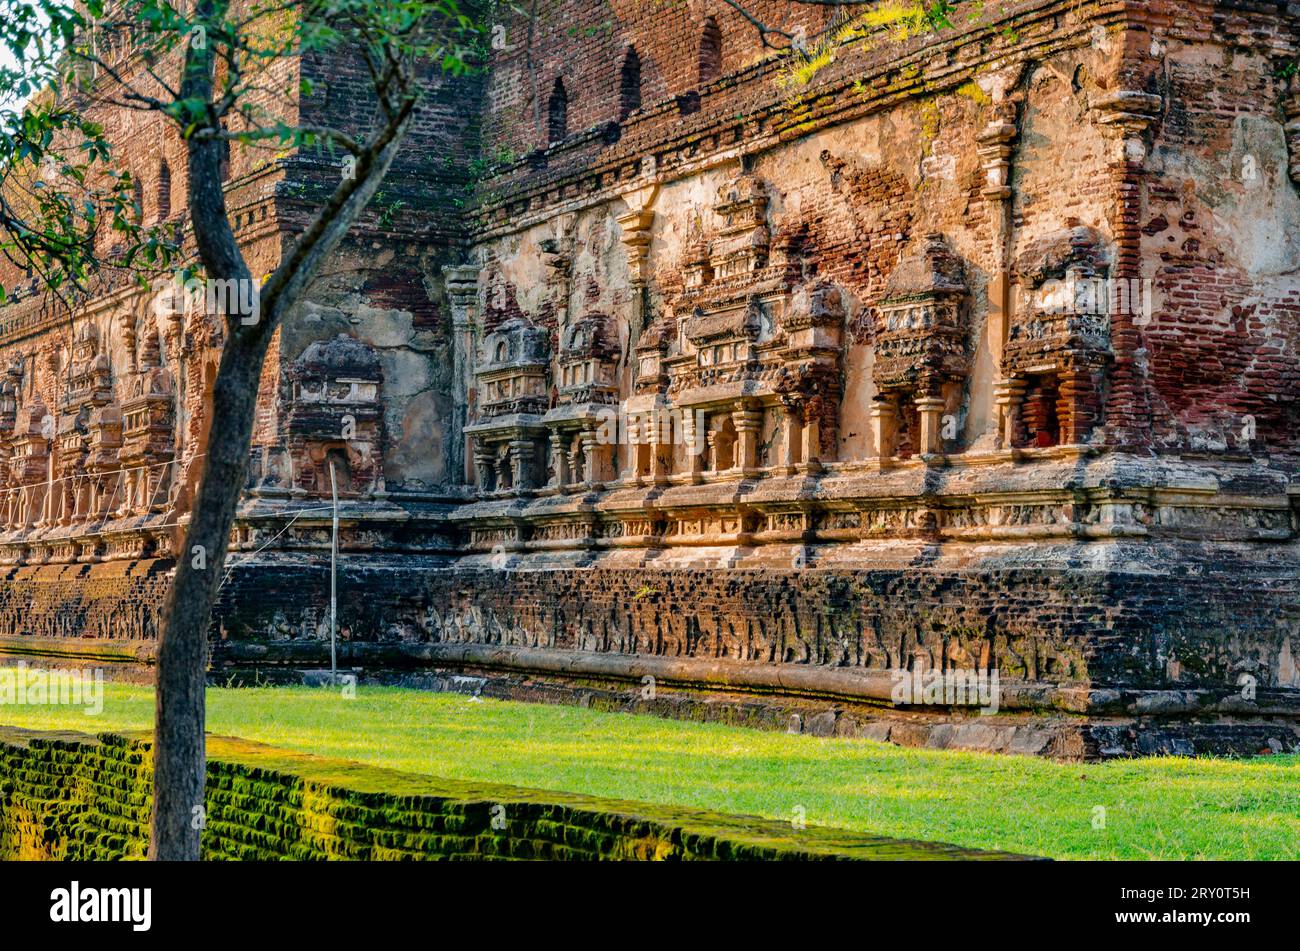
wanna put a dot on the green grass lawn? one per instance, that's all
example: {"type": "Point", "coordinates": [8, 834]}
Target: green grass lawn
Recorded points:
{"type": "Point", "coordinates": [1171, 808]}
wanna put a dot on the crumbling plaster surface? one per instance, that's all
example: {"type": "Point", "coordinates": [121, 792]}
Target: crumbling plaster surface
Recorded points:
{"type": "Point", "coordinates": [412, 352]}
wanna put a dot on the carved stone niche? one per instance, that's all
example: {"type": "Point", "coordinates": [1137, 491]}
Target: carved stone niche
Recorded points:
{"type": "Point", "coordinates": [729, 336]}
{"type": "Point", "coordinates": [29, 465]}
{"type": "Point", "coordinates": [651, 430]}
{"type": "Point", "coordinates": [753, 346]}
{"type": "Point", "coordinates": [90, 378]}
{"type": "Point", "coordinates": [742, 244]}
{"type": "Point", "coordinates": [1054, 360]}
{"type": "Point", "coordinates": [148, 420]}
{"type": "Point", "coordinates": [335, 417]}
{"type": "Point", "coordinates": [9, 389]}
{"type": "Point", "coordinates": [921, 356]}
{"type": "Point", "coordinates": [89, 386]}
{"type": "Point", "coordinates": [651, 348]}
{"type": "Point", "coordinates": [581, 453]}
{"type": "Point", "coordinates": [740, 247]}
{"type": "Point", "coordinates": [588, 356]}
{"type": "Point", "coordinates": [509, 436]}
{"type": "Point", "coordinates": [72, 497]}
{"type": "Point", "coordinates": [103, 463]}
{"type": "Point", "coordinates": [809, 383]}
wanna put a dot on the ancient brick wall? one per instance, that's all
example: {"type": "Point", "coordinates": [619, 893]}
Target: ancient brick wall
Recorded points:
{"type": "Point", "coordinates": [1046, 625]}
{"type": "Point", "coordinates": [70, 796]}
{"type": "Point", "coordinates": [1222, 343]}
{"type": "Point", "coordinates": [861, 168]}
{"type": "Point", "coordinates": [115, 603]}
{"type": "Point", "coordinates": [977, 343]}
{"type": "Point", "coordinates": [585, 47]}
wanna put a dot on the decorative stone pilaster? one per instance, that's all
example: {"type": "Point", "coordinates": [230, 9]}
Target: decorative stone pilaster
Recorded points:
{"type": "Point", "coordinates": [126, 325]}
{"type": "Point", "coordinates": [521, 464]}
{"type": "Point", "coordinates": [559, 461]}
{"type": "Point", "coordinates": [812, 442]}
{"type": "Point", "coordinates": [996, 147]}
{"type": "Point", "coordinates": [485, 466]}
{"type": "Point", "coordinates": [1127, 117]}
{"type": "Point", "coordinates": [748, 420]}
{"type": "Point", "coordinates": [641, 448]}
{"type": "Point", "coordinates": [590, 457]}
{"type": "Point", "coordinates": [930, 410]}
{"type": "Point", "coordinates": [791, 436]}
{"type": "Point", "coordinates": [661, 452]}
{"type": "Point", "coordinates": [884, 429]}
{"type": "Point", "coordinates": [636, 224]}
{"type": "Point", "coordinates": [1007, 395]}
{"type": "Point", "coordinates": [695, 443]}
{"type": "Point", "coordinates": [461, 282]}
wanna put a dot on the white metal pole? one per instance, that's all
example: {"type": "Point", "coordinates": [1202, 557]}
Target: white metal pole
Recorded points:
{"type": "Point", "coordinates": [334, 591]}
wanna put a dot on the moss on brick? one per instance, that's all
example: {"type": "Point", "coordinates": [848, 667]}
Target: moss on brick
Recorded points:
{"type": "Point", "coordinates": [79, 797]}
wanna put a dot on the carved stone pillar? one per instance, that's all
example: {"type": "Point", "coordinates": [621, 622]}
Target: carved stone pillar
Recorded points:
{"type": "Point", "coordinates": [696, 443]}
{"type": "Point", "coordinates": [591, 457]}
{"type": "Point", "coordinates": [635, 225]}
{"type": "Point", "coordinates": [126, 325]}
{"type": "Point", "coordinates": [521, 464]}
{"type": "Point", "coordinates": [625, 467]}
{"type": "Point", "coordinates": [749, 424]}
{"type": "Point", "coordinates": [642, 447]}
{"type": "Point", "coordinates": [66, 501]}
{"type": "Point", "coordinates": [930, 409]}
{"type": "Point", "coordinates": [996, 146]}
{"type": "Point", "coordinates": [661, 454]}
{"type": "Point", "coordinates": [1008, 394]}
{"type": "Point", "coordinates": [812, 441]}
{"type": "Point", "coordinates": [559, 461]}
{"type": "Point", "coordinates": [791, 437]}
{"type": "Point", "coordinates": [461, 282]}
{"type": "Point", "coordinates": [884, 429]}
{"type": "Point", "coordinates": [576, 459]}
{"type": "Point", "coordinates": [485, 466]}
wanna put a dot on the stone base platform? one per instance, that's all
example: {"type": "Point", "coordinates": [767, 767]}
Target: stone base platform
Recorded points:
{"type": "Point", "coordinates": [1055, 736]}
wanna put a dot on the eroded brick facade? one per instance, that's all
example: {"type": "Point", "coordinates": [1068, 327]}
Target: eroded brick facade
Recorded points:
{"type": "Point", "coordinates": [961, 349]}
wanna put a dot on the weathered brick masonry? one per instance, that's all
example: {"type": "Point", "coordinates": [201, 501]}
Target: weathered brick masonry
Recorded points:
{"type": "Point", "coordinates": [765, 375]}
{"type": "Point", "coordinates": [71, 796]}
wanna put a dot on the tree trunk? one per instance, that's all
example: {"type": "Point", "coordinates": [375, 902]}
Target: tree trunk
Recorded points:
{"type": "Point", "coordinates": [179, 754]}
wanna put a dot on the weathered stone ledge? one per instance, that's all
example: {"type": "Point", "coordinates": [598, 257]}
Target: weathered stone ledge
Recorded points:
{"type": "Point", "coordinates": [730, 676]}
{"type": "Point", "coordinates": [1057, 495]}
